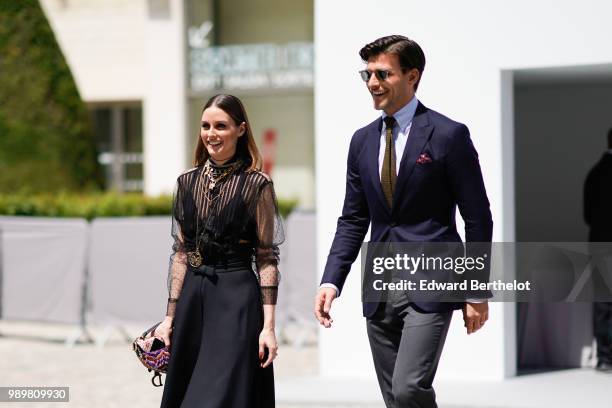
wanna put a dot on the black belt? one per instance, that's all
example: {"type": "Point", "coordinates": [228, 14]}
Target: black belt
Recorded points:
{"type": "Point", "coordinates": [211, 269]}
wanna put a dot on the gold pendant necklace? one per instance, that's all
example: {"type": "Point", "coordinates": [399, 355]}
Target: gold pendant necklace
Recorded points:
{"type": "Point", "coordinates": [194, 258]}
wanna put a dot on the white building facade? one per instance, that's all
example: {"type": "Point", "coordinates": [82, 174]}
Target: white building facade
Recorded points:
{"type": "Point", "coordinates": [146, 67]}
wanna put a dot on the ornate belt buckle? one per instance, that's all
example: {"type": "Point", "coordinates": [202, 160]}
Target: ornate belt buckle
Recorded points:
{"type": "Point", "coordinates": [194, 258]}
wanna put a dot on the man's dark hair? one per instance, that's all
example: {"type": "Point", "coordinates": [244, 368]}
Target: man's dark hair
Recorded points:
{"type": "Point", "coordinates": [610, 138]}
{"type": "Point", "coordinates": [408, 52]}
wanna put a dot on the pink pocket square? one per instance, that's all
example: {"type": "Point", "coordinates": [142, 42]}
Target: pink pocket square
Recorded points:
{"type": "Point", "coordinates": [424, 158]}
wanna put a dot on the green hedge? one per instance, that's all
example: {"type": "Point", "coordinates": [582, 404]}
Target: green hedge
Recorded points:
{"type": "Point", "coordinates": [96, 205]}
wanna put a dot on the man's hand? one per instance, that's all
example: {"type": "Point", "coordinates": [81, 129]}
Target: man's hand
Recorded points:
{"type": "Point", "coordinates": [475, 315]}
{"type": "Point", "coordinates": [323, 303]}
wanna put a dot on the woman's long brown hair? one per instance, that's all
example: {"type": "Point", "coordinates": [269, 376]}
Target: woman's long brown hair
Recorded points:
{"type": "Point", "coordinates": [246, 148]}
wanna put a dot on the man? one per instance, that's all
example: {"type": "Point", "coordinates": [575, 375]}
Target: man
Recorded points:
{"type": "Point", "coordinates": [406, 173]}
{"type": "Point", "coordinates": [598, 215]}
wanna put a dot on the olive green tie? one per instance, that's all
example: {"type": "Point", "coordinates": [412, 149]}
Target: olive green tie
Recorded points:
{"type": "Point", "coordinates": [387, 174]}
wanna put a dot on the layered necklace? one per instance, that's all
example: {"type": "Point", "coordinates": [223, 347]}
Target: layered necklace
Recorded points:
{"type": "Point", "coordinates": [213, 175]}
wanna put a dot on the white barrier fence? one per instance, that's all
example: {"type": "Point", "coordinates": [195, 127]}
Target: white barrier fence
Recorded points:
{"type": "Point", "coordinates": [113, 271]}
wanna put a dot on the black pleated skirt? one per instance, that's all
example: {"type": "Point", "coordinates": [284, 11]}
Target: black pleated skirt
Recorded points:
{"type": "Point", "coordinates": [214, 359]}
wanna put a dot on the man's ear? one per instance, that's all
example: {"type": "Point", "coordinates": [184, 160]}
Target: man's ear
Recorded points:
{"type": "Point", "coordinates": [414, 75]}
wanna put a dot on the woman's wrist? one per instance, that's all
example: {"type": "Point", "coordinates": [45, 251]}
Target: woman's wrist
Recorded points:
{"type": "Point", "coordinates": [268, 327]}
{"type": "Point", "coordinates": [169, 319]}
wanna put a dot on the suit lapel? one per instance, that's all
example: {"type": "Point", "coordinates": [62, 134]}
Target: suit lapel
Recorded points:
{"type": "Point", "coordinates": [420, 131]}
{"type": "Point", "coordinates": [373, 150]}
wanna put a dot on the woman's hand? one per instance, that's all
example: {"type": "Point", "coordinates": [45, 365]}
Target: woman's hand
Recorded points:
{"type": "Point", "coordinates": [164, 330]}
{"type": "Point", "coordinates": [267, 340]}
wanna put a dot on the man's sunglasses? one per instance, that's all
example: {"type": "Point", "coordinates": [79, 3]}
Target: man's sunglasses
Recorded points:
{"type": "Point", "coordinates": [381, 74]}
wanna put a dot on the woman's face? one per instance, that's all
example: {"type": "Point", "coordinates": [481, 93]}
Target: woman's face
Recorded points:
{"type": "Point", "coordinates": [220, 134]}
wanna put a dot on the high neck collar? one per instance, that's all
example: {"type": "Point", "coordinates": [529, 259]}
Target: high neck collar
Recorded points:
{"type": "Point", "coordinates": [231, 162]}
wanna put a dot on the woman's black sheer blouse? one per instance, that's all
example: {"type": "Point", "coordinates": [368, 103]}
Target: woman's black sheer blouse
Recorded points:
{"type": "Point", "coordinates": [238, 218]}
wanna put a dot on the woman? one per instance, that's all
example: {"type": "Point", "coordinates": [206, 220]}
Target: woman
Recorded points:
{"type": "Point", "coordinates": [220, 315]}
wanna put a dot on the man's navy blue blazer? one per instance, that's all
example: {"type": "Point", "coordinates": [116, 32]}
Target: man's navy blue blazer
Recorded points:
{"type": "Point", "coordinates": [424, 199]}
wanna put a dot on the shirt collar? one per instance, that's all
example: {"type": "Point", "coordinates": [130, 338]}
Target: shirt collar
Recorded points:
{"type": "Point", "coordinates": [404, 116]}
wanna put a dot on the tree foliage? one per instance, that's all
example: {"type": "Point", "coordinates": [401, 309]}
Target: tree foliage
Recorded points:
{"type": "Point", "coordinates": [46, 138]}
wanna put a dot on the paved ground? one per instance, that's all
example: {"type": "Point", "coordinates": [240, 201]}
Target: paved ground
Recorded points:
{"type": "Point", "coordinates": [109, 376]}
{"type": "Point", "coordinates": [572, 388]}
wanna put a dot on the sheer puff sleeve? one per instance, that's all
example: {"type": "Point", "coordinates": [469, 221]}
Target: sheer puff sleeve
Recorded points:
{"type": "Point", "coordinates": [269, 236]}
{"type": "Point", "coordinates": [178, 258]}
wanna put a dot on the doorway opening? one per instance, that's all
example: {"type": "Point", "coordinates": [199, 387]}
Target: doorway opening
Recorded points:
{"type": "Point", "coordinates": [559, 121]}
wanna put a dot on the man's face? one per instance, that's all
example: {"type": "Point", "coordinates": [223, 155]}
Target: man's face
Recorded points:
{"type": "Point", "coordinates": [397, 90]}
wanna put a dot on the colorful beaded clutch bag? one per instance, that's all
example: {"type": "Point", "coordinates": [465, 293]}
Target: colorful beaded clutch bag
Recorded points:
{"type": "Point", "coordinates": [152, 353]}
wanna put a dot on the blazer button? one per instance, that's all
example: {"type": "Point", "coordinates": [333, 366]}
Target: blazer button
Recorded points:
{"type": "Point", "coordinates": [393, 224]}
